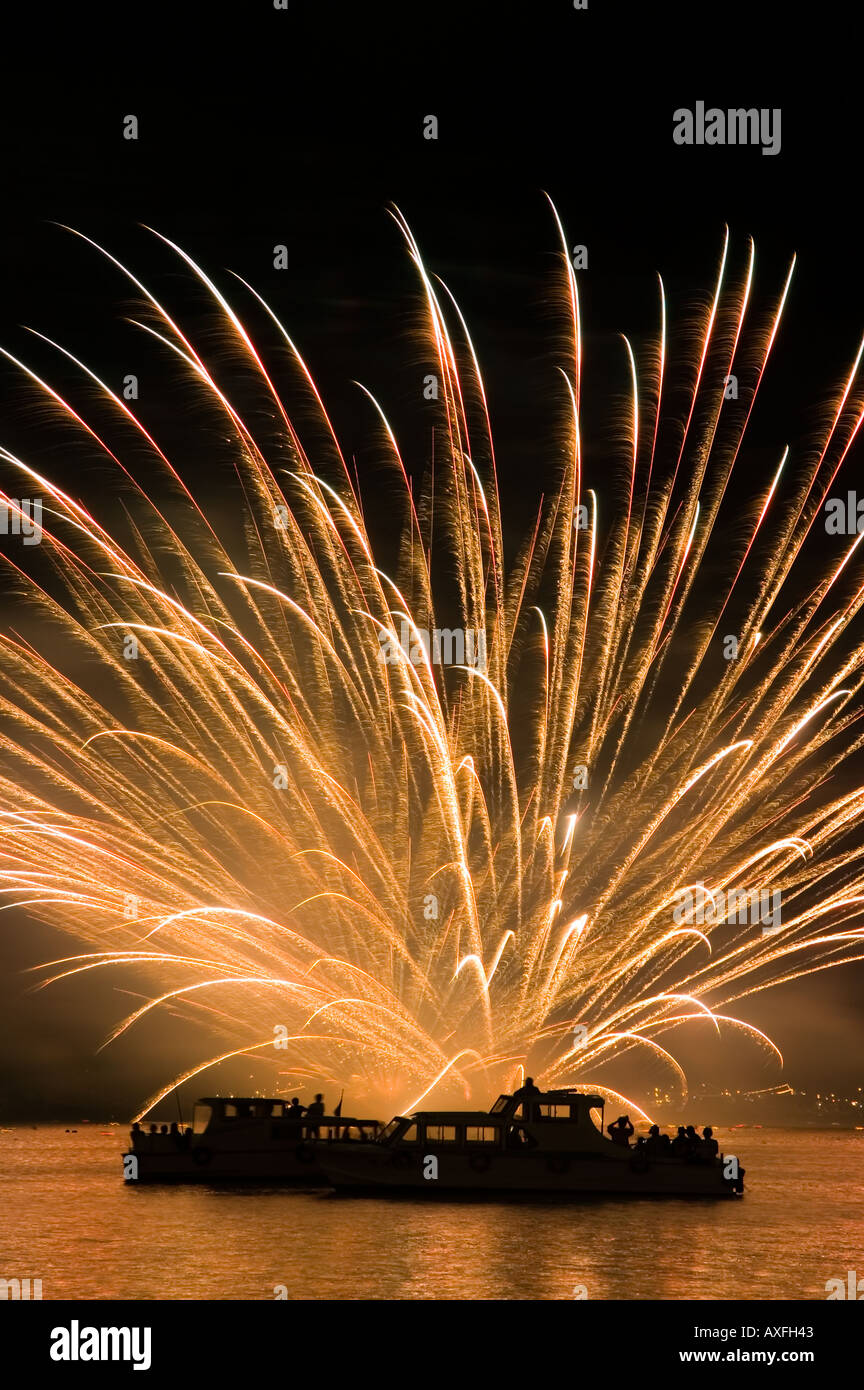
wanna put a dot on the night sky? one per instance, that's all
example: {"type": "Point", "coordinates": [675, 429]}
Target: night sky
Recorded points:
{"type": "Point", "coordinates": [300, 127]}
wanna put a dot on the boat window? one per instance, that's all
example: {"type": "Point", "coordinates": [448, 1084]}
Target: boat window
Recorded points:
{"type": "Point", "coordinates": [278, 1109]}
{"type": "Point", "coordinates": [410, 1135]}
{"type": "Point", "coordinates": [230, 1111]}
{"type": "Point", "coordinates": [201, 1118]}
{"type": "Point", "coordinates": [553, 1112]}
{"type": "Point", "coordinates": [481, 1134]}
{"type": "Point", "coordinates": [389, 1130]}
{"type": "Point", "coordinates": [501, 1104]}
{"type": "Point", "coordinates": [441, 1134]}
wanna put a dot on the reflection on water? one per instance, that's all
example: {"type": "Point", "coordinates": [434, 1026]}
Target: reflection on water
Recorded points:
{"type": "Point", "coordinates": [69, 1220]}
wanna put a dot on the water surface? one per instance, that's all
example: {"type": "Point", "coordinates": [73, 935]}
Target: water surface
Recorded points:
{"type": "Point", "coordinates": [69, 1220]}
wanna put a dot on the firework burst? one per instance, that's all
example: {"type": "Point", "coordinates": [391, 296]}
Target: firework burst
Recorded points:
{"type": "Point", "coordinates": [241, 773]}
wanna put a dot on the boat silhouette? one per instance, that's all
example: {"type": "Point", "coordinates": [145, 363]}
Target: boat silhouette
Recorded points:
{"type": "Point", "coordinates": [544, 1143]}
{"type": "Point", "coordinates": [241, 1138]}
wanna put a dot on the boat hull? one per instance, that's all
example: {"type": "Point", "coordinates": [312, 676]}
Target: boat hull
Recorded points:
{"type": "Point", "coordinates": [222, 1166]}
{"type": "Point", "coordinates": [503, 1173]}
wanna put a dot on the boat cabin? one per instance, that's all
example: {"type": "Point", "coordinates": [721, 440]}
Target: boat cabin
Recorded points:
{"type": "Point", "coordinates": [215, 1111]}
{"type": "Point", "coordinates": [225, 1113]}
{"type": "Point", "coordinates": [548, 1120]}
{"type": "Point", "coordinates": [234, 1121]}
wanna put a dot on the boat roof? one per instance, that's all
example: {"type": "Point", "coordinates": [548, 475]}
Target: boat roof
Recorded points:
{"type": "Point", "coordinates": [485, 1117]}
{"type": "Point", "coordinates": [241, 1100]}
{"type": "Point", "coordinates": [478, 1117]}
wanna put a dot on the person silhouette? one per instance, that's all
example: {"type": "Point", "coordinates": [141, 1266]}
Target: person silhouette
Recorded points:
{"type": "Point", "coordinates": [620, 1131]}
{"type": "Point", "coordinates": [654, 1144]}
{"type": "Point", "coordinates": [526, 1093]}
{"type": "Point", "coordinates": [680, 1144]}
{"type": "Point", "coordinates": [313, 1113]}
{"type": "Point", "coordinates": [295, 1111]}
{"type": "Point", "coordinates": [527, 1089]}
{"type": "Point", "coordinates": [710, 1148]}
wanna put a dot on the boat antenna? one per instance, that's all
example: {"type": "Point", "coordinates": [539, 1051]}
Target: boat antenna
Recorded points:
{"type": "Point", "coordinates": [179, 1111]}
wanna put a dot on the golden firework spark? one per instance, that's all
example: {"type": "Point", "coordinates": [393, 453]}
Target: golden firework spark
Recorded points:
{"type": "Point", "coordinates": [410, 862]}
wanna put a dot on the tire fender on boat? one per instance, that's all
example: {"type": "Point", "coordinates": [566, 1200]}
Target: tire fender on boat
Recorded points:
{"type": "Point", "coordinates": [304, 1153]}
{"type": "Point", "coordinates": [481, 1163]}
{"type": "Point", "coordinates": [639, 1165]}
{"type": "Point", "coordinates": [201, 1156]}
{"type": "Point", "coordinates": [558, 1163]}
{"type": "Point", "coordinates": [401, 1159]}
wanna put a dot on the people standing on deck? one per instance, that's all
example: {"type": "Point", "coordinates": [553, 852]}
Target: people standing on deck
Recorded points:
{"type": "Point", "coordinates": [314, 1112]}
{"type": "Point", "coordinates": [527, 1090]}
{"type": "Point", "coordinates": [680, 1143]}
{"type": "Point", "coordinates": [688, 1144]}
{"type": "Point", "coordinates": [620, 1131]}
{"type": "Point", "coordinates": [295, 1111]}
{"type": "Point", "coordinates": [654, 1146]}
{"type": "Point", "coordinates": [709, 1147]}
{"type": "Point", "coordinates": [526, 1094]}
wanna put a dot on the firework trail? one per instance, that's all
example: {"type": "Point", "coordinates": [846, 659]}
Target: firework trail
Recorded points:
{"type": "Point", "coordinates": [237, 771]}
